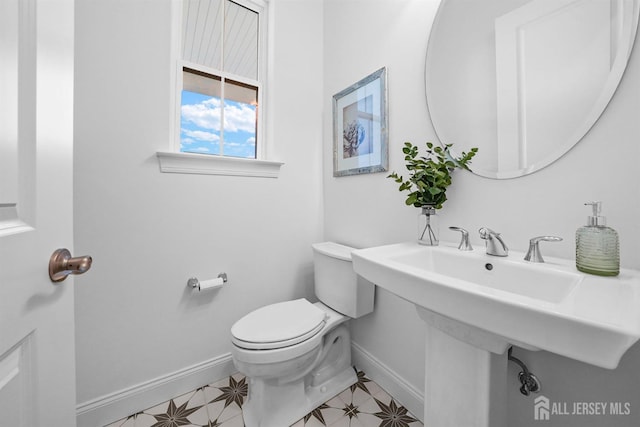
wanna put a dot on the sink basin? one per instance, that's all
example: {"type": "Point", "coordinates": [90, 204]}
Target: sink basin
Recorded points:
{"type": "Point", "coordinates": [549, 306]}
{"type": "Point", "coordinates": [491, 273]}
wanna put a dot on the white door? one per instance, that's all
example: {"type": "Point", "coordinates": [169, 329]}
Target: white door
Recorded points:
{"type": "Point", "coordinates": [37, 374]}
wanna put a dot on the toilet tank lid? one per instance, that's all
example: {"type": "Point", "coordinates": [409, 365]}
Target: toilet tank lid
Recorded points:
{"type": "Point", "coordinates": [334, 250]}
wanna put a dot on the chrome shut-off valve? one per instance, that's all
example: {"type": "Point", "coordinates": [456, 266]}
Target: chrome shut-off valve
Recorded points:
{"type": "Point", "coordinates": [530, 383]}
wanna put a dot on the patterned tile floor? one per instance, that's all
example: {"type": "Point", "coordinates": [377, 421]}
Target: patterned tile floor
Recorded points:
{"type": "Point", "coordinates": [364, 404]}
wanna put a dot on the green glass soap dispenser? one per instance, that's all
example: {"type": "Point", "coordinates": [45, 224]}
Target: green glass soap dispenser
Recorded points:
{"type": "Point", "coordinates": [597, 246]}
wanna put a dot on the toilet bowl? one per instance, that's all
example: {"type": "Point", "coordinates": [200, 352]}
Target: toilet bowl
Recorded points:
{"type": "Point", "coordinates": [297, 354]}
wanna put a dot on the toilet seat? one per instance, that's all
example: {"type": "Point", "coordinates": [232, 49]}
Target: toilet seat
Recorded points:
{"type": "Point", "coordinates": [278, 325]}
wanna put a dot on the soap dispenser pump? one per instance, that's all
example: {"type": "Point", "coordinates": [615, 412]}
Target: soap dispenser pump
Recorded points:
{"type": "Point", "coordinates": [597, 246]}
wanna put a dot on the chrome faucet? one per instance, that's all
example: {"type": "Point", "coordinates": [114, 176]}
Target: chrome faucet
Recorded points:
{"type": "Point", "coordinates": [495, 244]}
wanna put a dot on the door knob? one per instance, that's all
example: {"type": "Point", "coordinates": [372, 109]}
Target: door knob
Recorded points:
{"type": "Point", "coordinates": [62, 264]}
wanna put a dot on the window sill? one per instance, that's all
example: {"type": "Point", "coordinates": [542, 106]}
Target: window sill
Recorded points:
{"type": "Point", "coordinates": [206, 164]}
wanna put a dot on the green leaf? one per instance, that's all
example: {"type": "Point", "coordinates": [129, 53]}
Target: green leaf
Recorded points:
{"type": "Point", "coordinates": [429, 175]}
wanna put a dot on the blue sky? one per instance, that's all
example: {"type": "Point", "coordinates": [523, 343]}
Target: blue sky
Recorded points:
{"type": "Point", "coordinates": [200, 126]}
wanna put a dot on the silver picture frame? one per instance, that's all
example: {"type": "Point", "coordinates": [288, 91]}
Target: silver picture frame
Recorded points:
{"type": "Point", "coordinates": [360, 127]}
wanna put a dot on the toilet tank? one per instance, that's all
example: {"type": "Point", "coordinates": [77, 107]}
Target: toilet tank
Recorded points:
{"type": "Point", "coordinates": [336, 284]}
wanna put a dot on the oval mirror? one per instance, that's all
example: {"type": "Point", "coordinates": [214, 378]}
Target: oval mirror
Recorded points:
{"type": "Point", "coordinates": [524, 80]}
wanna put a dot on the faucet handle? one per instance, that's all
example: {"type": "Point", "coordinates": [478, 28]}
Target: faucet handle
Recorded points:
{"type": "Point", "coordinates": [533, 254]}
{"type": "Point", "coordinates": [464, 242]}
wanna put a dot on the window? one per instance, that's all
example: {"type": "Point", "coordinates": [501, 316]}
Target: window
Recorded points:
{"type": "Point", "coordinates": [217, 115]}
{"type": "Point", "coordinates": [218, 123]}
{"type": "Point", "coordinates": [221, 82]}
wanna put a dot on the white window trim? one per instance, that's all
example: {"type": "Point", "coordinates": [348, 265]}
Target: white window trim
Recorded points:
{"type": "Point", "coordinates": [175, 161]}
{"type": "Point", "coordinates": [207, 164]}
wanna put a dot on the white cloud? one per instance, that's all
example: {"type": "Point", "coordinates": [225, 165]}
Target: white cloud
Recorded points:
{"type": "Point", "coordinates": [206, 115]}
{"type": "Point", "coordinates": [239, 118]}
{"type": "Point", "coordinates": [200, 135]}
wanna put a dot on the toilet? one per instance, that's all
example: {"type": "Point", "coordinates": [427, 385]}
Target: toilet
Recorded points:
{"type": "Point", "coordinates": [297, 354]}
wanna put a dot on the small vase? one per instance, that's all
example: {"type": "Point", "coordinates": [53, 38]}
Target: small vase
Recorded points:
{"type": "Point", "coordinates": [428, 232]}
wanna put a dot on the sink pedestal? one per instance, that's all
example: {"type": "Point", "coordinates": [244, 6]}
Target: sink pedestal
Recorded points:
{"type": "Point", "coordinates": [465, 386]}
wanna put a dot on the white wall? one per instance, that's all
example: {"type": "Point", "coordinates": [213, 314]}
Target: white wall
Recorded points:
{"type": "Point", "coordinates": [148, 232]}
{"type": "Point", "coordinates": [362, 36]}
{"type": "Point", "coordinates": [367, 210]}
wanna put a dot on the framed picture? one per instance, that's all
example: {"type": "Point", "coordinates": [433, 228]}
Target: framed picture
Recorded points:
{"type": "Point", "coordinates": [360, 127]}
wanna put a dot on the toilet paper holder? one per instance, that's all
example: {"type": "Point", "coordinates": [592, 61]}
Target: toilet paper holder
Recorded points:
{"type": "Point", "coordinates": [195, 283]}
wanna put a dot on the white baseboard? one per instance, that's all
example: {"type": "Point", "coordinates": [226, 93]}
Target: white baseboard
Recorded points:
{"type": "Point", "coordinates": [405, 393]}
{"type": "Point", "coordinates": [114, 406]}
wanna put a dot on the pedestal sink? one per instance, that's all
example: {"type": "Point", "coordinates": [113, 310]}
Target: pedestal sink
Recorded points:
{"type": "Point", "coordinates": [476, 306]}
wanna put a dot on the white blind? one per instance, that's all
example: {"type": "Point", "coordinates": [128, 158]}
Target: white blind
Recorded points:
{"type": "Point", "coordinates": [222, 35]}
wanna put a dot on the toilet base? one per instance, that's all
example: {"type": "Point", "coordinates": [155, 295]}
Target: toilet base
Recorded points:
{"type": "Point", "coordinates": [276, 405]}
{"type": "Point", "coordinates": [282, 400]}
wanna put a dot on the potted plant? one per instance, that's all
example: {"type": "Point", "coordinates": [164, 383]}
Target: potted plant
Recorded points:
{"type": "Point", "coordinates": [429, 177]}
